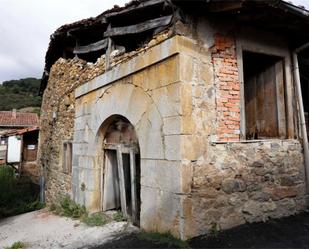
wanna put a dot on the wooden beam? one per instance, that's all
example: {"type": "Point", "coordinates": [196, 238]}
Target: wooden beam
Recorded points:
{"type": "Point", "coordinates": [138, 7]}
{"type": "Point", "coordinates": [223, 7]}
{"type": "Point", "coordinates": [102, 44]}
{"type": "Point", "coordinates": [122, 188]}
{"type": "Point", "coordinates": [133, 185]}
{"type": "Point", "coordinates": [140, 27]}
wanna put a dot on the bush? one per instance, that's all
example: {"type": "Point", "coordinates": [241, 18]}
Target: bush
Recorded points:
{"type": "Point", "coordinates": [68, 208]}
{"type": "Point", "coordinates": [97, 219]}
{"type": "Point", "coordinates": [17, 195]}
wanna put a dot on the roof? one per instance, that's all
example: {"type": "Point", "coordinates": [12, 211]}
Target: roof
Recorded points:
{"type": "Point", "coordinates": [18, 119]}
{"type": "Point", "coordinates": [20, 131]}
{"type": "Point", "coordinates": [274, 15]}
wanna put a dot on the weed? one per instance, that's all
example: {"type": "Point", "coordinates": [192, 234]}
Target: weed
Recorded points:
{"type": "Point", "coordinates": [16, 245]}
{"type": "Point", "coordinates": [68, 208]}
{"type": "Point", "coordinates": [163, 239]}
{"type": "Point", "coordinates": [119, 217]}
{"type": "Point", "coordinates": [97, 219]}
{"type": "Point", "coordinates": [83, 187]}
{"type": "Point", "coordinates": [214, 230]}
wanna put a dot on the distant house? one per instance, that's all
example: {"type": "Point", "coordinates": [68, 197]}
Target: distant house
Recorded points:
{"type": "Point", "coordinates": [19, 134]}
{"type": "Point", "coordinates": [12, 120]}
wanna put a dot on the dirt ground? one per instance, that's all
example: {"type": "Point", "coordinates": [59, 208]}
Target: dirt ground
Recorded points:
{"type": "Point", "coordinates": [40, 229]}
{"type": "Point", "coordinates": [291, 232]}
{"type": "Point", "coordinates": [43, 230]}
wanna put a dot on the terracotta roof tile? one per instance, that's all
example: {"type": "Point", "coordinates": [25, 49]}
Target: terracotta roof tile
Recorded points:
{"type": "Point", "coordinates": [9, 119]}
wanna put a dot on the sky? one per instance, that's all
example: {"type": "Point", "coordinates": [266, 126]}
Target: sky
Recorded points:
{"type": "Point", "coordinates": [26, 25]}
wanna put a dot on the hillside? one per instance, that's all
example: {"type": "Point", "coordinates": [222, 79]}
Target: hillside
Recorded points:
{"type": "Point", "coordinates": [17, 94]}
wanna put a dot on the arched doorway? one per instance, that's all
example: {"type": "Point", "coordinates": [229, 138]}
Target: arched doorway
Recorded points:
{"type": "Point", "coordinates": [121, 174]}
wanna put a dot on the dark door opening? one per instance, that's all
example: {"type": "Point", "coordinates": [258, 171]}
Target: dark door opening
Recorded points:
{"type": "Point", "coordinates": [121, 179]}
{"type": "Point", "coordinates": [304, 78]}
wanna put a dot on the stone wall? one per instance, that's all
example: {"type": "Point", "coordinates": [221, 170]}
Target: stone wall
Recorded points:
{"type": "Point", "coordinates": [57, 120]}
{"type": "Point", "coordinates": [183, 100]}
{"type": "Point", "coordinates": [231, 182]}
{"type": "Point", "coordinates": [245, 182]}
{"type": "Point", "coordinates": [58, 112]}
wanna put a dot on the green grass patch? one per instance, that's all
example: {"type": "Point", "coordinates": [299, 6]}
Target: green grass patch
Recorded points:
{"type": "Point", "coordinates": [119, 216]}
{"type": "Point", "coordinates": [17, 195]}
{"type": "Point", "coordinates": [97, 219]}
{"type": "Point", "coordinates": [16, 245]}
{"type": "Point", "coordinates": [68, 208]}
{"type": "Point", "coordinates": [163, 239]}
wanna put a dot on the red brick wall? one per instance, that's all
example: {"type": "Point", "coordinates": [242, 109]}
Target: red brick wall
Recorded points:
{"type": "Point", "coordinates": [224, 59]}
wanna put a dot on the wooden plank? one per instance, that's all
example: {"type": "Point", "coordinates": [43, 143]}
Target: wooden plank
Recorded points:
{"type": "Point", "coordinates": [108, 53]}
{"type": "Point", "coordinates": [280, 99]}
{"type": "Point", "coordinates": [291, 109]}
{"type": "Point", "coordinates": [140, 27]}
{"type": "Point", "coordinates": [102, 44]}
{"type": "Point", "coordinates": [111, 184]}
{"type": "Point", "coordinates": [134, 7]}
{"type": "Point", "coordinates": [240, 66]}
{"type": "Point", "coordinates": [125, 148]}
{"type": "Point", "coordinates": [123, 200]}
{"type": "Point", "coordinates": [133, 185]}
{"type": "Point", "coordinates": [224, 7]}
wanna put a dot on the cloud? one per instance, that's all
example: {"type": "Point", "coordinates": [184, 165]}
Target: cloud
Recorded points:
{"type": "Point", "coordinates": [26, 25]}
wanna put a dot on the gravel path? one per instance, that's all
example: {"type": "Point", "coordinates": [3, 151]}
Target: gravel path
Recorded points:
{"type": "Point", "coordinates": [41, 229]}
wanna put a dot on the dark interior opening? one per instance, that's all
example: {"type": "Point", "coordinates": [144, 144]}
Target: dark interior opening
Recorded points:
{"type": "Point", "coordinates": [304, 78]}
{"type": "Point", "coordinates": [264, 92]}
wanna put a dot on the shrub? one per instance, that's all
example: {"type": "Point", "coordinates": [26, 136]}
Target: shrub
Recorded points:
{"type": "Point", "coordinates": [119, 216]}
{"type": "Point", "coordinates": [69, 208]}
{"type": "Point", "coordinates": [17, 195]}
{"type": "Point", "coordinates": [97, 219]}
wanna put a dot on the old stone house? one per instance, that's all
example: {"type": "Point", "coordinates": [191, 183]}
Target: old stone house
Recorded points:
{"type": "Point", "coordinates": [183, 114]}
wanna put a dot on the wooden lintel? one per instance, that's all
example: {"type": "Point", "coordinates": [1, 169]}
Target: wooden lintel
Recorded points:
{"type": "Point", "coordinates": [125, 148]}
{"type": "Point", "coordinates": [91, 47]}
{"type": "Point", "coordinates": [140, 27]}
{"type": "Point", "coordinates": [140, 6]}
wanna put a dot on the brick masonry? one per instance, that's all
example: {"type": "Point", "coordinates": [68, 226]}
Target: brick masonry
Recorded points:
{"type": "Point", "coordinates": [224, 60]}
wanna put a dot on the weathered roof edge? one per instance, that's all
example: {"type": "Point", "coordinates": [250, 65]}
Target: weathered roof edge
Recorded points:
{"type": "Point", "coordinates": [296, 10]}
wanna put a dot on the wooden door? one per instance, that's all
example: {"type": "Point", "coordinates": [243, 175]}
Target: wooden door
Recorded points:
{"type": "Point", "coordinates": [111, 191]}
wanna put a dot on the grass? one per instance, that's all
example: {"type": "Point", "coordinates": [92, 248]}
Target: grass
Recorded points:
{"type": "Point", "coordinates": [97, 219]}
{"type": "Point", "coordinates": [119, 216]}
{"type": "Point", "coordinates": [17, 195]}
{"type": "Point", "coordinates": [163, 239]}
{"type": "Point", "coordinates": [16, 245]}
{"type": "Point", "coordinates": [68, 208]}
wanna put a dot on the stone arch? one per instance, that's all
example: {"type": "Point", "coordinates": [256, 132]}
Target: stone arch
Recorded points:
{"type": "Point", "coordinates": [139, 109]}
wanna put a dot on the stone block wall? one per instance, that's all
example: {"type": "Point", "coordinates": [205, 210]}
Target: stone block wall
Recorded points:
{"type": "Point", "coordinates": [231, 182]}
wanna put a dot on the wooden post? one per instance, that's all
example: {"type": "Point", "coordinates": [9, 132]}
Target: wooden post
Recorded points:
{"type": "Point", "coordinates": [121, 182]}
{"type": "Point", "coordinates": [133, 185]}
